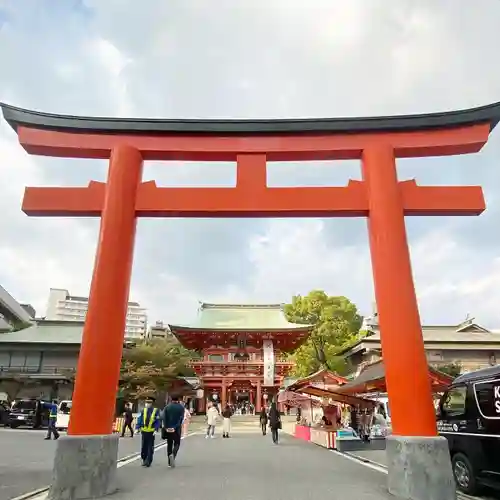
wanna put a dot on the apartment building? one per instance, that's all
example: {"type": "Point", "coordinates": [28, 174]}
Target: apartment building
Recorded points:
{"type": "Point", "coordinates": [62, 306]}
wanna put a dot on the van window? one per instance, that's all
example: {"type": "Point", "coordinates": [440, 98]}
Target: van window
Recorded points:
{"type": "Point", "coordinates": [65, 407]}
{"type": "Point", "coordinates": [488, 398]}
{"type": "Point", "coordinates": [454, 402]}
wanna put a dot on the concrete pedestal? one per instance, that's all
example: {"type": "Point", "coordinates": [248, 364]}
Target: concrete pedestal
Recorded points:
{"type": "Point", "coordinates": [420, 468]}
{"type": "Point", "coordinates": [84, 467]}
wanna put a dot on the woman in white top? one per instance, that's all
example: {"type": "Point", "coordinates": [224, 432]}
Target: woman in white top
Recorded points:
{"type": "Point", "coordinates": [186, 421]}
{"type": "Point", "coordinates": [212, 416]}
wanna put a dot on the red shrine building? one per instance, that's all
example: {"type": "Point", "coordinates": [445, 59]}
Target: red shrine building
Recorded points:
{"type": "Point", "coordinates": [243, 348]}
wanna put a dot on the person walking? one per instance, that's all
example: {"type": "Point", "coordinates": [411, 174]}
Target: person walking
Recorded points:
{"type": "Point", "coordinates": [274, 422]}
{"type": "Point", "coordinates": [263, 420]}
{"type": "Point", "coordinates": [128, 419]}
{"type": "Point", "coordinates": [52, 426]}
{"type": "Point", "coordinates": [148, 423]}
{"type": "Point", "coordinates": [186, 422]}
{"type": "Point", "coordinates": [212, 416]}
{"type": "Point", "coordinates": [173, 417]}
{"type": "Point", "coordinates": [226, 423]}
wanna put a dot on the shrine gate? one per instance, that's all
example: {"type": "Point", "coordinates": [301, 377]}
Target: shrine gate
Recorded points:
{"type": "Point", "coordinates": [380, 197]}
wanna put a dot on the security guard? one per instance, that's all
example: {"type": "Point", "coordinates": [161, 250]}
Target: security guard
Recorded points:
{"type": "Point", "coordinates": [148, 423]}
{"type": "Point", "coordinates": [52, 428]}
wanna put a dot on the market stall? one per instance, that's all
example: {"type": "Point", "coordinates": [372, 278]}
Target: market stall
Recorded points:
{"type": "Point", "coordinates": [330, 431]}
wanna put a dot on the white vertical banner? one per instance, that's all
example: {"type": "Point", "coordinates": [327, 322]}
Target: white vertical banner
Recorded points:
{"type": "Point", "coordinates": [268, 351]}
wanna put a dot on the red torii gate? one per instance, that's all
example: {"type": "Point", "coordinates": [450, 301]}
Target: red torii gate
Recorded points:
{"type": "Point", "coordinates": [380, 197]}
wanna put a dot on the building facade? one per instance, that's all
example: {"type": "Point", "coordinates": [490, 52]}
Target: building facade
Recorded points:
{"type": "Point", "coordinates": [12, 313]}
{"type": "Point", "coordinates": [40, 361]}
{"type": "Point", "coordinates": [243, 351]}
{"type": "Point", "coordinates": [468, 344]}
{"type": "Point", "coordinates": [65, 307]}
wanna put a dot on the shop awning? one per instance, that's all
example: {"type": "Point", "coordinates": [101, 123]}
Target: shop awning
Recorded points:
{"type": "Point", "coordinates": [297, 400]}
{"type": "Point", "coordinates": [336, 397]}
{"type": "Point", "coordinates": [372, 379]}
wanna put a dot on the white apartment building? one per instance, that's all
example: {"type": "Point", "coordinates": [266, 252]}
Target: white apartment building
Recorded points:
{"type": "Point", "coordinates": [65, 307]}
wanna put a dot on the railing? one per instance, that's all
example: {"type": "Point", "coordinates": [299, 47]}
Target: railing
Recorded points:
{"type": "Point", "coordinates": [237, 367]}
{"type": "Point", "coordinates": [277, 360]}
{"type": "Point", "coordinates": [43, 370]}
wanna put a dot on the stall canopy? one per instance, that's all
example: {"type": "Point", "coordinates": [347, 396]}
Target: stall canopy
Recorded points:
{"type": "Point", "coordinates": [335, 397]}
{"type": "Point", "coordinates": [372, 379]}
{"type": "Point", "coordinates": [297, 400]}
{"type": "Point", "coordinates": [322, 378]}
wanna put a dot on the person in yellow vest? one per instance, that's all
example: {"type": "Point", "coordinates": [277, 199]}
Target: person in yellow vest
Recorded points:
{"type": "Point", "coordinates": [148, 423]}
{"type": "Point", "coordinates": [52, 427]}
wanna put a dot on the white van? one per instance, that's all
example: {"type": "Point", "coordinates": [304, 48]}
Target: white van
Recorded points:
{"type": "Point", "coordinates": [63, 412]}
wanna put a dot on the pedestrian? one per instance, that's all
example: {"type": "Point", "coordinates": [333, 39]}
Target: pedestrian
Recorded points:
{"type": "Point", "coordinates": [226, 423]}
{"type": "Point", "coordinates": [212, 415]}
{"type": "Point", "coordinates": [263, 420]}
{"type": "Point", "coordinates": [173, 417]}
{"type": "Point", "coordinates": [186, 422]}
{"type": "Point", "coordinates": [274, 422]}
{"type": "Point", "coordinates": [128, 419]}
{"type": "Point", "coordinates": [148, 423]}
{"type": "Point", "coordinates": [52, 425]}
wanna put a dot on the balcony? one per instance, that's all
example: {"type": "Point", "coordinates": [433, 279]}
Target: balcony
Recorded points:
{"type": "Point", "coordinates": [251, 367]}
{"type": "Point", "coordinates": [31, 371]}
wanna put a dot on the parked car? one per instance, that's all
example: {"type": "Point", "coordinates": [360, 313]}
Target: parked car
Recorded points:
{"type": "Point", "coordinates": [468, 415]}
{"type": "Point", "coordinates": [63, 412]}
{"type": "Point", "coordinates": [28, 413]}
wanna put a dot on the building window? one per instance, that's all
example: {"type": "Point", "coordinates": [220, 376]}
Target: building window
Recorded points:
{"type": "Point", "coordinates": [4, 359]}
{"type": "Point", "coordinates": [216, 357]}
{"type": "Point", "coordinates": [454, 403]}
{"type": "Point", "coordinates": [25, 361]}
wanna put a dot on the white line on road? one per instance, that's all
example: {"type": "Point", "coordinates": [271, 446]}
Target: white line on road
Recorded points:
{"type": "Point", "coordinates": [41, 493]}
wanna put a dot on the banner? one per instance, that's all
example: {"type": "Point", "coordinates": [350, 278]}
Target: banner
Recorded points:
{"type": "Point", "coordinates": [268, 351]}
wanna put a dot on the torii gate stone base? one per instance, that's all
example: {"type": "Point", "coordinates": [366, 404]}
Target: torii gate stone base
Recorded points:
{"type": "Point", "coordinates": [419, 460]}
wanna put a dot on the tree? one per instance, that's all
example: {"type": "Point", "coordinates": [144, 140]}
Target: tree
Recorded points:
{"type": "Point", "coordinates": [451, 369]}
{"type": "Point", "coordinates": [149, 368]}
{"type": "Point", "coordinates": [336, 323]}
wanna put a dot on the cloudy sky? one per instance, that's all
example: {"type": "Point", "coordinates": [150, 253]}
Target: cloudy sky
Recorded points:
{"type": "Point", "coordinates": [251, 59]}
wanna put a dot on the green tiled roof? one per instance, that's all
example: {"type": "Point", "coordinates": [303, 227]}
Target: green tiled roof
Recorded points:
{"type": "Point", "coordinates": [241, 317]}
{"type": "Point", "coordinates": [47, 332]}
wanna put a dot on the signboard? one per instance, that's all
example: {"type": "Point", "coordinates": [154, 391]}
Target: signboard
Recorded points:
{"type": "Point", "coordinates": [487, 396]}
{"type": "Point", "coordinates": [268, 351]}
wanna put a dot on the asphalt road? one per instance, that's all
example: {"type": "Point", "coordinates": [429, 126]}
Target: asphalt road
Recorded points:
{"type": "Point", "coordinates": [26, 460]}
{"type": "Point", "coordinates": [248, 466]}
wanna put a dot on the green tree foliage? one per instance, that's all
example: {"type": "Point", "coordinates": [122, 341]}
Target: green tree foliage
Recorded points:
{"type": "Point", "coordinates": [451, 369]}
{"type": "Point", "coordinates": [336, 323]}
{"type": "Point", "coordinates": [149, 368]}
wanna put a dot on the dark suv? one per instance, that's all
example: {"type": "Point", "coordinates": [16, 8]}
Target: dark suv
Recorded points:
{"type": "Point", "coordinates": [28, 413]}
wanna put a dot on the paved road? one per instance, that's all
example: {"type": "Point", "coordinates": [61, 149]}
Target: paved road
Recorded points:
{"type": "Point", "coordinates": [248, 467]}
{"type": "Point", "coordinates": [26, 460]}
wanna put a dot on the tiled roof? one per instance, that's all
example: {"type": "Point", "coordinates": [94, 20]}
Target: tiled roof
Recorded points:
{"type": "Point", "coordinates": [240, 317]}
{"type": "Point", "coordinates": [449, 334]}
{"type": "Point", "coordinates": [47, 332]}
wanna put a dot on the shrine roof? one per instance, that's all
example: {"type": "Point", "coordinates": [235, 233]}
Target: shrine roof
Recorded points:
{"type": "Point", "coordinates": [241, 317]}
{"type": "Point", "coordinates": [323, 375]}
{"type": "Point", "coordinates": [372, 378]}
{"type": "Point", "coordinates": [68, 123]}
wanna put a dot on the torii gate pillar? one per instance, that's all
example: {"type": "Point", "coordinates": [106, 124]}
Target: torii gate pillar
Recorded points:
{"type": "Point", "coordinates": [419, 460]}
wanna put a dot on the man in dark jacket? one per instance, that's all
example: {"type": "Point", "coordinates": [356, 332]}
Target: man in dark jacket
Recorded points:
{"type": "Point", "coordinates": [173, 416]}
{"type": "Point", "coordinates": [274, 421]}
{"type": "Point", "coordinates": [128, 419]}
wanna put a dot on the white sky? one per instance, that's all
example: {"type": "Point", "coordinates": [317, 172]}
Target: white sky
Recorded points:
{"type": "Point", "coordinates": [250, 59]}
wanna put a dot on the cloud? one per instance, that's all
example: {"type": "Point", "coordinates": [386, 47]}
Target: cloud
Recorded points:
{"type": "Point", "coordinates": [250, 59]}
